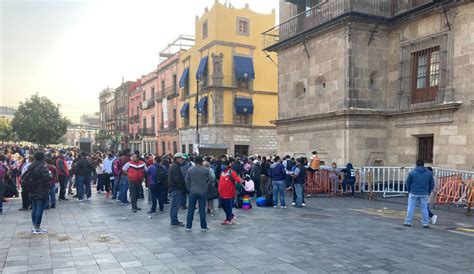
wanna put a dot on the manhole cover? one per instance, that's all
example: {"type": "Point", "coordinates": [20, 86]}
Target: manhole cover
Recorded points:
{"type": "Point", "coordinates": [315, 216]}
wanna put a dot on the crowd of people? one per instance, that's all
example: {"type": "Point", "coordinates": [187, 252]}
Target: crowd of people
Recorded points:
{"type": "Point", "coordinates": [183, 181]}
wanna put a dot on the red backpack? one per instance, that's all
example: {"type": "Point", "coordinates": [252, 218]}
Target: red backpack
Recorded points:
{"type": "Point", "coordinates": [136, 171]}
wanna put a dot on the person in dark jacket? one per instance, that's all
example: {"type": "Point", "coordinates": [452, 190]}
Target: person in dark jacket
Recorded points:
{"type": "Point", "coordinates": [299, 178]}
{"type": "Point", "coordinates": [84, 173]}
{"type": "Point", "coordinates": [38, 190]}
{"type": "Point", "coordinates": [157, 179]}
{"type": "Point", "coordinates": [420, 184]}
{"type": "Point", "coordinates": [349, 178]}
{"type": "Point", "coordinates": [278, 174]}
{"type": "Point", "coordinates": [3, 174]}
{"type": "Point", "coordinates": [177, 187]}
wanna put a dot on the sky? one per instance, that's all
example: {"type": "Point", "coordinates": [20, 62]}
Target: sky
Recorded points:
{"type": "Point", "coordinates": [70, 50]}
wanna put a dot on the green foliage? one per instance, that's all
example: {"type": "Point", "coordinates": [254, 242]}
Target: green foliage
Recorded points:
{"type": "Point", "coordinates": [6, 131]}
{"type": "Point", "coordinates": [39, 121]}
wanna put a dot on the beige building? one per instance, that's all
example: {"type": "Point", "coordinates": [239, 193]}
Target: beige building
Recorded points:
{"type": "Point", "coordinates": [376, 82]}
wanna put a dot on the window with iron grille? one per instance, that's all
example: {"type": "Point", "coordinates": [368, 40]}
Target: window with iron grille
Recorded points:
{"type": "Point", "coordinates": [423, 75]}
{"type": "Point", "coordinates": [425, 148]}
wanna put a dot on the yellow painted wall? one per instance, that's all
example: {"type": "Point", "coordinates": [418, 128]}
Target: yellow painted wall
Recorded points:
{"type": "Point", "coordinates": [222, 26]}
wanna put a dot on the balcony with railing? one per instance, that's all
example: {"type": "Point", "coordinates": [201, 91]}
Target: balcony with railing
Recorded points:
{"type": "Point", "coordinates": [150, 103]}
{"type": "Point", "coordinates": [331, 10]}
{"type": "Point", "coordinates": [148, 131]}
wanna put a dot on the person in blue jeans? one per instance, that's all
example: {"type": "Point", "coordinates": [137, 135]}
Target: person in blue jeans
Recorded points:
{"type": "Point", "coordinates": [84, 171]}
{"type": "Point", "coordinates": [197, 180]}
{"type": "Point", "coordinates": [123, 190]}
{"type": "Point", "coordinates": [278, 174]}
{"type": "Point", "coordinates": [420, 184]}
{"type": "Point", "coordinates": [37, 178]}
{"type": "Point", "coordinates": [299, 178]}
{"type": "Point", "coordinates": [3, 174]}
{"type": "Point", "coordinates": [157, 178]}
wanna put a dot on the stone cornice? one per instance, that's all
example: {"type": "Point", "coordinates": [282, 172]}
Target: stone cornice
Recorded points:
{"type": "Point", "coordinates": [225, 43]}
{"type": "Point", "coordinates": [451, 106]}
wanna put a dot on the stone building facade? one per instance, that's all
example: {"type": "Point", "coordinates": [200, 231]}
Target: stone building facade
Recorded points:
{"type": "Point", "coordinates": [228, 85]}
{"type": "Point", "coordinates": [376, 82]}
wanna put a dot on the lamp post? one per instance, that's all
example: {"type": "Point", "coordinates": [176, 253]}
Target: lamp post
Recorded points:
{"type": "Point", "coordinates": [197, 114]}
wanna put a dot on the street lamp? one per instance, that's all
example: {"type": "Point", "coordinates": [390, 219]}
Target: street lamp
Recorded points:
{"type": "Point", "coordinates": [197, 115]}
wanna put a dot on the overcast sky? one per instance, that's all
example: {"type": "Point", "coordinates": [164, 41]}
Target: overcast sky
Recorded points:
{"type": "Point", "coordinates": [70, 50]}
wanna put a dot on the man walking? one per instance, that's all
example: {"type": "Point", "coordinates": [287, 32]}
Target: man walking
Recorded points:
{"type": "Point", "coordinates": [197, 180]}
{"type": "Point", "coordinates": [157, 179]}
{"type": "Point", "coordinates": [420, 184]}
{"type": "Point", "coordinates": [177, 187]}
{"type": "Point", "coordinates": [135, 171]}
{"type": "Point", "coordinates": [109, 172]}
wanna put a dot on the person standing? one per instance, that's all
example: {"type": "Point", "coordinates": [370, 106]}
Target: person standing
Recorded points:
{"type": "Point", "coordinates": [420, 184]}
{"type": "Point", "coordinates": [299, 178]}
{"type": "Point", "coordinates": [37, 179]}
{"type": "Point", "coordinates": [84, 171]}
{"type": "Point", "coordinates": [25, 200]}
{"type": "Point", "coordinates": [63, 175]}
{"type": "Point", "coordinates": [315, 161]}
{"type": "Point", "coordinates": [185, 166]}
{"type": "Point", "coordinates": [135, 171]}
{"type": "Point", "coordinates": [108, 172]}
{"type": "Point", "coordinates": [123, 179]}
{"type": "Point", "coordinates": [349, 178]}
{"type": "Point", "coordinates": [278, 174]}
{"type": "Point", "coordinates": [157, 178]}
{"type": "Point", "coordinates": [52, 183]}
{"type": "Point", "coordinates": [255, 174]}
{"type": "Point", "coordinates": [197, 180]}
{"type": "Point", "coordinates": [432, 199]}
{"type": "Point", "coordinates": [227, 189]}
{"type": "Point", "coordinates": [265, 179]}
{"type": "Point", "coordinates": [3, 174]}
{"type": "Point", "coordinates": [177, 187]}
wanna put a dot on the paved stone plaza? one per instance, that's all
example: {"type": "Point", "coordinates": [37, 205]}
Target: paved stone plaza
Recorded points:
{"type": "Point", "coordinates": [330, 235]}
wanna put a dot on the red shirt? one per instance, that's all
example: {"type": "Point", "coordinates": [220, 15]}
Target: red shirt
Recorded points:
{"type": "Point", "coordinates": [226, 185]}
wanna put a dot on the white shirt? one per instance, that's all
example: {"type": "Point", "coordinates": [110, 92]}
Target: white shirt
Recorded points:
{"type": "Point", "coordinates": [108, 165]}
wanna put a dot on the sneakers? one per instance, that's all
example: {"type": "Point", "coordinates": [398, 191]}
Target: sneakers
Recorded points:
{"type": "Point", "coordinates": [303, 204]}
{"type": "Point", "coordinates": [205, 229]}
{"type": "Point", "coordinates": [88, 198]}
{"type": "Point", "coordinates": [293, 204]}
{"type": "Point", "coordinates": [434, 219]}
{"type": "Point", "coordinates": [40, 231]}
{"type": "Point", "coordinates": [407, 225]}
{"type": "Point", "coordinates": [234, 217]}
{"type": "Point", "coordinates": [79, 200]}
{"type": "Point", "coordinates": [426, 226]}
{"type": "Point", "coordinates": [188, 229]}
{"type": "Point", "coordinates": [274, 206]}
{"type": "Point", "coordinates": [151, 212]}
{"type": "Point", "coordinates": [161, 212]}
{"type": "Point", "coordinates": [178, 224]}
{"type": "Point", "coordinates": [283, 206]}
{"type": "Point", "coordinates": [226, 222]}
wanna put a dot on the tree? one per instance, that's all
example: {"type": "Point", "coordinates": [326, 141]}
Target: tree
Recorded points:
{"type": "Point", "coordinates": [39, 121]}
{"type": "Point", "coordinates": [6, 131]}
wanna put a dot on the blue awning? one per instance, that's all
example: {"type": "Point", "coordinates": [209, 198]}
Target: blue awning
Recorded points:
{"type": "Point", "coordinates": [243, 67]}
{"type": "Point", "coordinates": [184, 78]}
{"type": "Point", "coordinates": [185, 110]}
{"type": "Point", "coordinates": [243, 105]}
{"type": "Point", "coordinates": [202, 67]}
{"type": "Point", "coordinates": [202, 105]}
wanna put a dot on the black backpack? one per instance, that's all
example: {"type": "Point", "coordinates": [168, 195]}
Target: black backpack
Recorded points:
{"type": "Point", "coordinates": [27, 179]}
{"type": "Point", "coordinates": [161, 174]}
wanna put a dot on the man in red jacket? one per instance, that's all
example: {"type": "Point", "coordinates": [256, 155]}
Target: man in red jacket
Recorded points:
{"type": "Point", "coordinates": [135, 170]}
{"type": "Point", "coordinates": [227, 188]}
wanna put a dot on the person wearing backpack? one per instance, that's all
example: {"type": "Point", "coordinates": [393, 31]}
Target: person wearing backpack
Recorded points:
{"type": "Point", "coordinates": [37, 179]}
{"type": "Point", "coordinates": [177, 187]}
{"type": "Point", "coordinates": [255, 174]}
{"type": "Point", "coordinates": [157, 177]}
{"type": "Point", "coordinates": [227, 190]}
{"type": "Point", "coordinates": [3, 174]}
{"type": "Point", "coordinates": [135, 170]}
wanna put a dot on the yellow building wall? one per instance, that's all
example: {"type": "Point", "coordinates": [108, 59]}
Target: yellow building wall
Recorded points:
{"type": "Point", "coordinates": [222, 26]}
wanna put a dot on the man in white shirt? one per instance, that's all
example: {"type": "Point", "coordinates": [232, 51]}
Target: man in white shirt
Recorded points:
{"type": "Point", "coordinates": [109, 172]}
